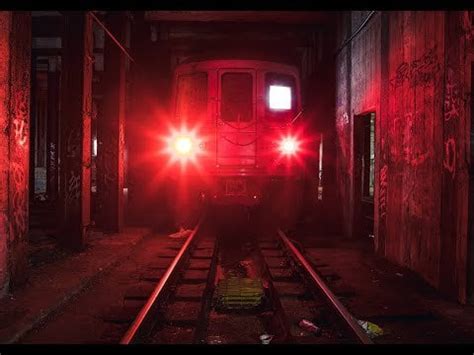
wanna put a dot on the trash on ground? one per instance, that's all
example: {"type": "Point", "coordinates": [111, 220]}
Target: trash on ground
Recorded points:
{"type": "Point", "coordinates": [309, 326]}
{"type": "Point", "coordinates": [215, 339]}
{"type": "Point", "coordinates": [372, 329]}
{"type": "Point", "coordinates": [266, 338]}
{"type": "Point", "coordinates": [399, 274]}
{"type": "Point", "coordinates": [183, 233]}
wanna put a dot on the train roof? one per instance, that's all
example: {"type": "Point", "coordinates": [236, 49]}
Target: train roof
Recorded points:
{"type": "Point", "coordinates": [236, 63]}
{"type": "Point", "coordinates": [245, 55]}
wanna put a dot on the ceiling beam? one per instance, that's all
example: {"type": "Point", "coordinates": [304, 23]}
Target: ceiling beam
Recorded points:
{"type": "Point", "coordinates": [286, 17]}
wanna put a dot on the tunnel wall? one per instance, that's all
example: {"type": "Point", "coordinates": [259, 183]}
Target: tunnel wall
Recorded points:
{"type": "Point", "coordinates": [410, 69]}
{"type": "Point", "coordinates": [15, 51]}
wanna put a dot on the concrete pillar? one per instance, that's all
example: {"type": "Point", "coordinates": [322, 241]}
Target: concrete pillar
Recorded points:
{"type": "Point", "coordinates": [52, 136]}
{"type": "Point", "coordinates": [110, 128]}
{"type": "Point", "coordinates": [140, 92]}
{"type": "Point", "coordinates": [455, 169]}
{"type": "Point", "coordinates": [76, 107]}
{"type": "Point", "coordinates": [15, 54]}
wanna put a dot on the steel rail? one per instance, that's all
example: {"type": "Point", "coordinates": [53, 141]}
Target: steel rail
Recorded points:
{"type": "Point", "coordinates": [334, 302]}
{"type": "Point", "coordinates": [133, 330]}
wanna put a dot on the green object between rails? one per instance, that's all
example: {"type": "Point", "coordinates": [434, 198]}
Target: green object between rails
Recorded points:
{"type": "Point", "coordinates": [239, 293]}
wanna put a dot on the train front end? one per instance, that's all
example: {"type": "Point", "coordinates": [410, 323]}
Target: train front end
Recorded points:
{"type": "Point", "coordinates": [235, 129]}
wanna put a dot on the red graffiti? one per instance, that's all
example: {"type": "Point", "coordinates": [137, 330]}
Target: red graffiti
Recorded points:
{"type": "Point", "coordinates": [418, 72]}
{"type": "Point", "coordinates": [19, 197]}
{"type": "Point", "coordinates": [451, 98]}
{"type": "Point", "coordinates": [19, 127]}
{"type": "Point", "coordinates": [450, 156]}
{"type": "Point", "coordinates": [73, 191]}
{"type": "Point", "coordinates": [466, 25]}
{"type": "Point", "coordinates": [383, 191]}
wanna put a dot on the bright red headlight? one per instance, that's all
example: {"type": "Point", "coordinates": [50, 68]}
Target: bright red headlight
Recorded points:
{"type": "Point", "coordinates": [183, 146]}
{"type": "Point", "coordinates": [289, 146]}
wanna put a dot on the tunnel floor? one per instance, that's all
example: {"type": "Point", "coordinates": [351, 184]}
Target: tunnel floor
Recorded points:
{"type": "Point", "coordinates": [66, 299]}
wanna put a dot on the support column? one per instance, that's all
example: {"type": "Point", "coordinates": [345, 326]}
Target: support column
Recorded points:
{"type": "Point", "coordinates": [455, 173]}
{"type": "Point", "coordinates": [110, 128]}
{"type": "Point", "coordinates": [15, 56]}
{"type": "Point", "coordinates": [52, 136]}
{"type": "Point", "coordinates": [76, 107]}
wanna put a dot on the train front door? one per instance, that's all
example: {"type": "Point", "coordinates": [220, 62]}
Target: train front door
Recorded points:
{"type": "Point", "coordinates": [236, 120]}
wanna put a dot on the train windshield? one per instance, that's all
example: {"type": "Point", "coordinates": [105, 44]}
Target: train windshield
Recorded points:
{"type": "Point", "coordinates": [191, 104]}
{"type": "Point", "coordinates": [236, 97]}
{"type": "Point", "coordinates": [280, 95]}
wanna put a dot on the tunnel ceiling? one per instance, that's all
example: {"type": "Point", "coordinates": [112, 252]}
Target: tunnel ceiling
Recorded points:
{"type": "Point", "coordinates": [286, 36]}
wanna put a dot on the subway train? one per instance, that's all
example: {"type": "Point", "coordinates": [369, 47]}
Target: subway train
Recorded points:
{"type": "Point", "coordinates": [235, 140]}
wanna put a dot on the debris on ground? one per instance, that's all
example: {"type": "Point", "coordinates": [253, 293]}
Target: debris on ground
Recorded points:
{"type": "Point", "coordinates": [372, 329]}
{"type": "Point", "coordinates": [215, 339]}
{"type": "Point", "coordinates": [266, 338]}
{"type": "Point", "coordinates": [183, 233]}
{"type": "Point", "coordinates": [399, 274]}
{"type": "Point", "coordinates": [309, 326]}
{"type": "Point", "coordinates": [239, 293]}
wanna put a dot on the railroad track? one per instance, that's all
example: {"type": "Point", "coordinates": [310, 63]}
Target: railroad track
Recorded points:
{"type": "Point", "coordinates": [177, 309]}
{"type": "Point", "coordinates": [301, 293]}
{"type": "Point", "coordinates": [182, 306]}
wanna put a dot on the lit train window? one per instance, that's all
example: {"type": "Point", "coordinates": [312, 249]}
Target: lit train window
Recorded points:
{"type": "Point", "coordinates": [236, 97]}
{"type": "Point", "coordinates": [191, 101]}
{"type": "Point", "coordinates": [280, 96]}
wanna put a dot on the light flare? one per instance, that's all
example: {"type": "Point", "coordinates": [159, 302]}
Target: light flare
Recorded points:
{"type": "Point", "coordinates": [289, 146]}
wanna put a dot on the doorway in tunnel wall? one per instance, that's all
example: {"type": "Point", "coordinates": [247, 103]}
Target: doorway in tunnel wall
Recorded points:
{"type": "Point", "coordinates": [364, 174]}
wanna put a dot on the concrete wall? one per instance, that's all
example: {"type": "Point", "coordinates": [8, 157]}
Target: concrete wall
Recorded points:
{"type": "Point", "coordinates": [410, 68]}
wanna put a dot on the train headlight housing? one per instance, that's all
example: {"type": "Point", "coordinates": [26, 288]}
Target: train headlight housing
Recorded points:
{"type": "Point", "coordinates": [289, 146]}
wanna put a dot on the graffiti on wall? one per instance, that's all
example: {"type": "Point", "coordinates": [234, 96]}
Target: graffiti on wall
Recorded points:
{"type": "Point", "coordinates": [52, 163]}
{"type": "Point", "coordinates": [417, 72]}
{"type": "Point", "coordinates": [466, 24]}
{"type": "Point", "coordinates": [19, 118]}
{"type": "Point", "coordinates": [383, 191]}
{"type": "Point", "coordinates": [449, 161]}
{"type": "Point", "coordinates": [452, 97]}
{"type": "Point", "coordinates": [20, 131]}
{"type": "Point", "coordinates": [452, 111]}
{"type": "Point", "coordinates": [73, 190]}
{"type": "Point", "coordinates": [18, 207]}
